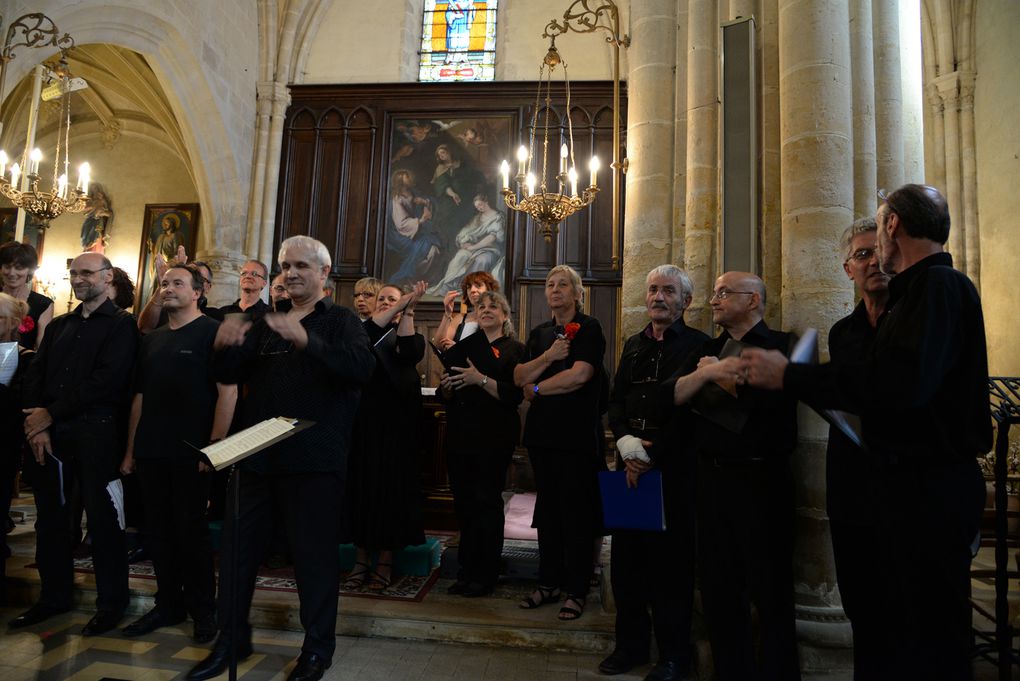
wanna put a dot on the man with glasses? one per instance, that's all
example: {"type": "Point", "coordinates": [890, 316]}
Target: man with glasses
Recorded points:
{"type": "Point", "coordinates": [922, 395]}
{"type": "Point", "coordinates": [743, 438]}
{"type": "Point", "coordinates": [653, 572]}
{"type": "Point", "coordinates": [76, 392]}
{"type": "Point", "coordinates": [278, 291]}
{"type": "Point", "coordinates": [253, 279]}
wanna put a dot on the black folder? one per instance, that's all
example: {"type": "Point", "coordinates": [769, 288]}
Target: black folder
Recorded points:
{"type": "Point", "coordinates": [632, 508]}
{"type": "Point", "coordinates": [475, 347]}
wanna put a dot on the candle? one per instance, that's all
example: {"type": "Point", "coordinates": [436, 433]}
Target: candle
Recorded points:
{"type": "Point", "coordinates": [33, 161]}
{"type": "Point", "coordinates": [83, 178]}
{"type": "Point", "coordinates": [15, 172]}
{"type": "Point", "coordinates": [3, 163]}
{"type": "Point", "coordinates": [522, 158]}
{"type": "Point", "coordinates": [594, 166]}
{"type": "Point", "coordinates": [572, 174]}
{"type": "Point", "coordinates": [62, 186]}
{"type": "Point", "coordinates": [563, 158]}
{"type": "Point", "coordinates": [530, 183]}
{"type": "Point", "coordinates": [504, 170]}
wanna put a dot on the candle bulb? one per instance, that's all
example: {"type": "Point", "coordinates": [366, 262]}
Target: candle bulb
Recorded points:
{"type": "Point", "coordinates": [594, 166]}
{"type": "Point", "coordinates": [62, 186]}
{"type": "Point", "coordinates": [83, 177]}
{"type": "Point", "coordinates": [572, 174]}
{"type": "Point", "coordinates": [504, 170]}
{"type": "Point", "coordinates": [530, 183]}
{"type": "Point", "coordinates": [564, 152]}
{"type": "Point", "coordinates": [3, 163]}
{"type": "Point", "coordinates": [522, 158]}
{"type": "Point", "coordinates": [33, 161]}
{"type": "Point", "coordinates": [15, 172]}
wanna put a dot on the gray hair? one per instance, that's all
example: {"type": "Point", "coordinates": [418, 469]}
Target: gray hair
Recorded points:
{"type": "Point", "coordinates": [313, 246]}
{"type": "Point", "coordinates": [575, 282]}
{"type": "Point", "coordinates": [862, 226]}
{"type": "Point", "coordinates": [501, 302]}
{"type": "Point", "coordinates": [676, 274]}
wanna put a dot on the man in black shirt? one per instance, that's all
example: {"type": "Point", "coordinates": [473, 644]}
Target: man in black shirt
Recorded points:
{"type": "Point", "coordinates": [154, 316]}
{"type": "Point", "coordinates": [655, 570]}
{"type": "Point", "coordinates": [922, 394]}
{"type": "Point", "coordinates": [75, 394]}
{"type": "Point", "coordinates": [253, 279]}
{"type": "Point", "coordinates": [308, 362]}
{"type": "Point", "coordinates": [743, 437]}
{"type": "Point", "coordinates": [175, 377]}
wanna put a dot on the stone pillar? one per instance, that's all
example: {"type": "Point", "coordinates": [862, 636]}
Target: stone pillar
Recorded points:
{"type": "Point", "coordinates": [680, 137]}
{"type": "Point", "coordinates": [280, 97]}
{"type": "Point", "coordinates": [817, 204]}
{"type": "Point", "coordinates": [702, 209]}
{"type": "Point", "coordinates": [263, 109]}
{"type": "Point", "coordinates": [771, 181]}
{"type": "Point", "coordinates": [948, 89]}
{"type": "Point", "coordinates": [863, 67]}
{"type": "Point", "coordinates": [972, 243]}
{"type": "Point", "coordinates": [935, 162]}
{"type": "Point", "coordinates": [885, 22]}
{"type": "Point", "coordinates": [648, 221]}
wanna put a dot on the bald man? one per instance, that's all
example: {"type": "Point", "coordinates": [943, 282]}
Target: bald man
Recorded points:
{"type": "Point", "coordinates": [742, 438]}
{"type": "Point", "coordinates": [76, 394]}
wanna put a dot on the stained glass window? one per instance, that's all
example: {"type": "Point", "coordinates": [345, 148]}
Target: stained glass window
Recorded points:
{"type": "Point", "coordinates": [458, 41]}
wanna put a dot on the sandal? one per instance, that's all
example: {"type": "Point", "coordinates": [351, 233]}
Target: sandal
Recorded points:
{"type": "Point", "coordinates": [544, 595]}
{"type": "Point", "coordinates": [568, 612]}
{"type": "Point", "coordinates": [356, 579]}
{"type": "Point", "coordinates": [378, 582]}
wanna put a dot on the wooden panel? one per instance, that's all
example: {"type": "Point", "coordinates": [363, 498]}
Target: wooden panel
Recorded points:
{"type": "Point", "coordinates": [601, 303]}
{"type": "Point", "coordinates": [326, 211]}
{"type": "Point", "coordinates": [356, 223]}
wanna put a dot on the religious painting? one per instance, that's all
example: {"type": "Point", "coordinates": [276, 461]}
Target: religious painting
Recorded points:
{"type": "Point", "coordinates": [167, 227]}
{"type": "Point", "coordinates": [98, 220]}
{"type": "Point", "coordinates": [458, 41]}
{"type": "Point", "coordinates": [445, 216]}
{"type": "Point", "coordinates": [35, 229]}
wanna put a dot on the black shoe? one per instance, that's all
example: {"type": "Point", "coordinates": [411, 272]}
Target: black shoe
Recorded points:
{"type": "Point", "coordinates": [217, 661]}
{"type": "Point", "coordinates": [309, 667]}
{"type": "Point", "coordinates": [136, 555]}
{"type": "Point", "coordinates": [621, 662]}
{"type": "Point", "coordinates": [102, 622]}
{"type": "Point", "coordinates": [458, 587]}
{"type": "Point", "coordinates": [477, 589]}
{"type": "Point", "coordinates": [37, 613]}
{"type": "Point", "coordinates": [666, 670]}
{"type": "Point", "coordinates": [151, 621]}
{"type": "Point", "coordinates": [205, 629]}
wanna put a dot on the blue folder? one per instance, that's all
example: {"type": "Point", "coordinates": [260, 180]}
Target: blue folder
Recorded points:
{"type": "Point", "coordinates": [632, 508]}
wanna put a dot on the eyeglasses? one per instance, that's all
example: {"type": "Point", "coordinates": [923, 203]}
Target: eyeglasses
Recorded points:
{"type": "Point", "coordinates": [252, 273]}
{"type": "Point", "coordinates": [724, 293]}
{"type": "Point", "coordinates": [280, 289]}
{"type": "Point", "coordinates": [364, 294]}
{"type": "Point", "coordinates": [862, 254]}
{"type": "Point", "coordinates": [84, 274]}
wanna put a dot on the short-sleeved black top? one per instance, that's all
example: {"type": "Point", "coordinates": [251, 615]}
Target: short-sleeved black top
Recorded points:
{"type": "Point", "coordinates": [174, 375]}
{"type": "Point", "coordinates": [567, 421]}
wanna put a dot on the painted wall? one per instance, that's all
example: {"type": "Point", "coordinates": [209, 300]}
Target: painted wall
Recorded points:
{"type": "Point", "coordinates": [996, 101]}
{"type": "Point", "coordinates": [362, 42]}
{"type": "Point", "coordinates": [135, 172]}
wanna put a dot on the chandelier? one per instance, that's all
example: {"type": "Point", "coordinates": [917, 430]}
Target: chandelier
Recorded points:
{"type": "Point", "coordinates": [537, 196]}
{"type": "Point", "coordinates": [19, 182]}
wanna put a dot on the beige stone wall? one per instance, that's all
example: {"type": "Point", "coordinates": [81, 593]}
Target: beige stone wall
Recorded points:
{"type": "Point", "coordinates": [996, 101]}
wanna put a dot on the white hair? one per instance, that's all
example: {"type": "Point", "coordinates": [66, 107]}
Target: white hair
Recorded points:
{"type": "Point", "coordinates": [313, 246]}
{"type": "Point", "coordinates": [676, 274]}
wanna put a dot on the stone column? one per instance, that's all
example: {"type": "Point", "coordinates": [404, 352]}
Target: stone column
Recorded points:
{"type": "Point", "coordinates": [969, 178]}
{"type": "Point", "coordinates": [885, 22]}
{"type": "Point", "coordinates": [263, 109]}
{"type": "Point", "coordinates": [648, 223]}
{"type": "Point", "coordinates": [702, 209]}
{"type": "Point", "coordinates": [280, 97]}
{"type": "Point", "coordinates": [935, 162]}
{"type": "Point", "coordinates": [948, 89]}
{"type": "Point", "coordinates": [863, 67]}
{"type": "Point", "coordinates": [817, 204]}
{"type": "Point", "coordinates": [680, 137]}
{"type": "Point", "coordinates": [771, 180]}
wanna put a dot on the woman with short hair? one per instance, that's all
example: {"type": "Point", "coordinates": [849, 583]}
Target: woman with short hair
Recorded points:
{"type": "Point", "coordinates": [18, 263]}
{"type": "Point", "coordinates": [457, 325]}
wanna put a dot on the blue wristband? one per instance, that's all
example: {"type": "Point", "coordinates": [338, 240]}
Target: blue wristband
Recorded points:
{"type": "Point", "coordinates": [535, 389]}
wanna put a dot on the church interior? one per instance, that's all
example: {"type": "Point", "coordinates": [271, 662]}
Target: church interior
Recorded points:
{"type": "Point", "coordinates": [746, 134]}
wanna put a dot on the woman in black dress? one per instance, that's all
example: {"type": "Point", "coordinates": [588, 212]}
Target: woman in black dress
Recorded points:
{"type": "Point", "coordinates": [455, 324]}
{"type": "Point", "coordinates": [18, 263]}
{"type": "Point", "coordinates": [562, 379]}
{"type": "Point", "coordinates": [482, 430]}
{"type": "Point", "coordinates": [383, 480]}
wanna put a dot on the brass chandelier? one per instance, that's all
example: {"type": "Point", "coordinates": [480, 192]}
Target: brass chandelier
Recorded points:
{"type": "Point", "coordinates": [537, 196]}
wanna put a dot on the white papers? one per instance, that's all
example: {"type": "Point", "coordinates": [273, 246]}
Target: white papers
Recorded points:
{"type": "Point", "coordinates": [469, 328]}
{"type": "Point", "coordinates": [806, 349]}
{"type": "Point", "coordinates": [115, 488]}
{"type": "Point", "coordinates": [246, 442]}
{"type": "Point", "coordinates": [8, 361]}
{"type": "Point", "coordinates": [60, 477]}
{"type": "Point", "coordinates": [428, 392]}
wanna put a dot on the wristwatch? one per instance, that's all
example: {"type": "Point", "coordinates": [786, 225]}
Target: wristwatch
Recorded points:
{"type": "Point", "coordinates": [485, 379]}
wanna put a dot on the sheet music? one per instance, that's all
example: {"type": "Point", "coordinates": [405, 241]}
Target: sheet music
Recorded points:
{"type": "Point", "coordinates": [238, 445]}
{"type": "Point", "coordinates": [8, 361]}
{"type": "Point", "coordinates": [60, 478]}
{"type": "Point", "coordinates": [804, 352]}
{"type": "Point", "coordinates": [115, 488]}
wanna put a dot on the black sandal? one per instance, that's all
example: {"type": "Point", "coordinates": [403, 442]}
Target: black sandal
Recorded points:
{"type": "Point", "coordinates": [356, 579]}
{"type": "Point", "coordinates": [376, 582]}
{"type": "Point", "coordinates": [545, 595]}
{"type": "Point", "coordinates": [568, 613]}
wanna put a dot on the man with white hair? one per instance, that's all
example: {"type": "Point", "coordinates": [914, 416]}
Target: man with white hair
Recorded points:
{"type": "Point", "coordinates": [307, 360]}
{"type": "Point", "coordinates": [653, 572]}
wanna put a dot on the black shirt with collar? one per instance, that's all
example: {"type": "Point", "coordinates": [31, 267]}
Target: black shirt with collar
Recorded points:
{"type": "Point", "coordinates": [771, 428]}
{"type": "Point", "coordinates": [922, 390]}
{"type": "Point", "coordinates": [643, 365]}
{"type": "Point", "coordinates": [84, 364]}
{"type": "Point", "coordinates": [257, 310]}
{"type": "Point", "coordinates": [321, 383]}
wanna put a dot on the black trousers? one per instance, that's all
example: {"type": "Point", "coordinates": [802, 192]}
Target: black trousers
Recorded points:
{"type": "Point", "coordinates": [89, 452]}
{"type": "Point", "coordinates": [311, 505]}
{"type": "Point", "coordinates": [175, 495]}
{"type": "Point", "coordinates": [567, 511]}
{"type": "Point", "coordinates": [654, 572]}
{"type": "Point", "coordinates": [477, 480]}
{"type": "Point", "coordinates": [745, 554]}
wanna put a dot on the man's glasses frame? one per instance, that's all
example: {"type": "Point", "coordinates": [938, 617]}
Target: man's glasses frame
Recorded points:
{"type": "Point", "coordinates": [84, 274]}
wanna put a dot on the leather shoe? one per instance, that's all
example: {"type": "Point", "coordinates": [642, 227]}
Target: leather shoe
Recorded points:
{"type": "Point", "coordinates": [621, 662]}
{"type": "Point", "coordinates": [477, 589]}
{"type": "Point", "coordinates": [37, 613]}
{"type": "Point", "coordinates": [458, 587]}
{"type": "Point", "coordinates": [309, 667]}
{"type": "Point", "coordinates": [666, 670]}
{"type": "Point", "coordinates": [151, 621]}
{"type": "Point", "coordinates": [204, 629]}
{"type": "Point", "coordinates": [218, 660]}
{"type": "Point", "coordinates": [102, 622]}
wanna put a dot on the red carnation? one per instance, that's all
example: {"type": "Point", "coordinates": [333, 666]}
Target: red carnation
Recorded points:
{"type": "Point", "coordinates": [27, 324]}
{"type": "Point", "coordinates": [495, 352]}
{"type": "Point", "coordinates": [570, 330]}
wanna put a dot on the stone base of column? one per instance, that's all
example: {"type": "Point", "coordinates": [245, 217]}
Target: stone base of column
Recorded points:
{"type": "Point", "coordinates": [825, 642]}
{"type": "Point", "coordinates": [225, 267]}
